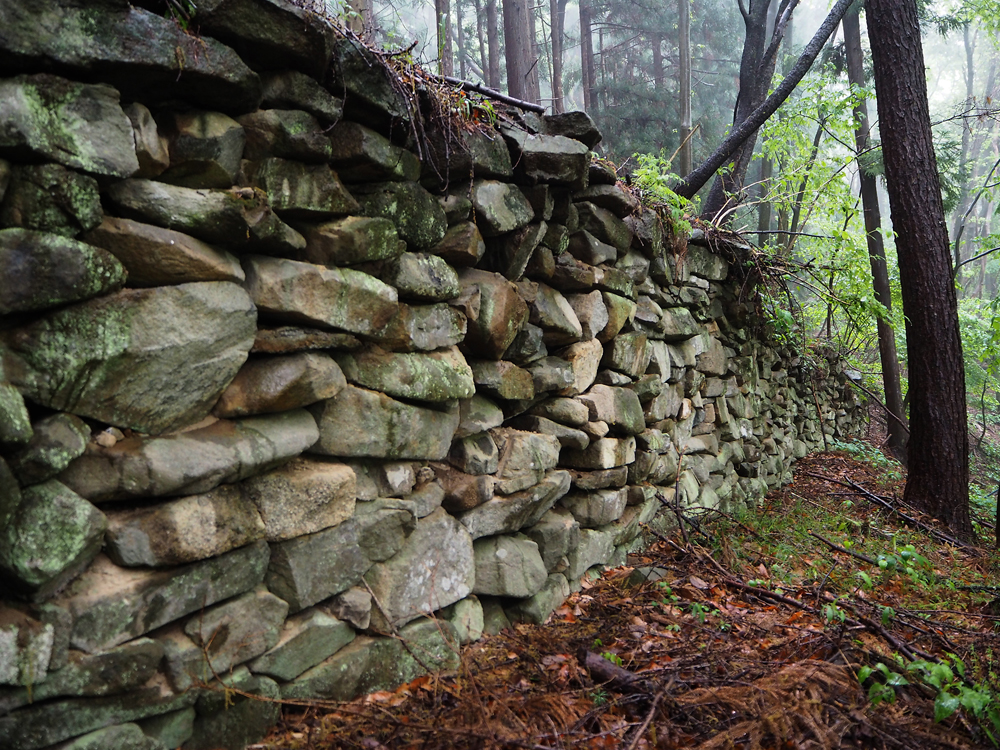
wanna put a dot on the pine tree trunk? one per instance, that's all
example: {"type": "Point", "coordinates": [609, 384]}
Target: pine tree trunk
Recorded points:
{"type": "Point", "coordinates": [518, 48]}
{"type": "Point", "coordinates": [938, 479]}
{"type": "Point", "coordinates": [587, 57]}
{"type": "Point", "coordinates": [557, 9]}
{"type": "Point", "coordinates": [493, 38]}
{"type": "Point", "coordinates": [684, 84]}
{"type": "Point", "coordinates": [445, 52]}
{"type": "Point", "coordinates": [876, 248]}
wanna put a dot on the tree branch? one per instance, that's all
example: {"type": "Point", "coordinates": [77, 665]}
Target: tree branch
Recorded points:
{"type": "Point", "coordinates": [692, 183]}
{"type": "Point", "coordinates": [493, 94]}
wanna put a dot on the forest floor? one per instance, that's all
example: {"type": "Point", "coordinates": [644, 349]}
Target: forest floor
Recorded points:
{"type": "Point", "coordinates": [830, 616]}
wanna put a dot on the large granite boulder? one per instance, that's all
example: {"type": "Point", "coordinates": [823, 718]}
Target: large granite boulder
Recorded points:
{"type": "Point", "coordinates": [269, 34]}
{"type": "Point", "coordinates": [240, 217]}
{"type": "Point", "coordinates": [116, 358]}
{"type": "Point", "coordinates": [312, 294]}
{"type": "Point", "coordinates": [363, 423]}
{"type": "Point", "coordinates": [154, 256]}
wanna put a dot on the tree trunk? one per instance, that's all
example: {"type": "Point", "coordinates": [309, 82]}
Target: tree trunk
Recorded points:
{"type": "Point", "coordinates": [693, 182]}
{"type": "Point", "coordinates": [558, 10]}
{"type": "Point", "coordinates": [938, 479]}
{"type": "Point", "coordinates": [460, 41]}
{"type": "Point", "coordinates": [361, 20]}
{"type": "Point", "coordinates": [493, 38]}
{"type": "Point", "coordinates": [587, 57]}
{"type": "Point", "coordinates": [445, 52]}
{"type": "Point", "coordinates": [755, 78]}
{"type": "Point", "coordinates": [534, 60]}
{"type": "Point", "coordinates": [684, 84]}
{"type": "Point", "coordinates": [876, 248]}
{"type": "Point", "coordinates": [518, 48]}
{"type": "Point", "coordinates": [484, 58]}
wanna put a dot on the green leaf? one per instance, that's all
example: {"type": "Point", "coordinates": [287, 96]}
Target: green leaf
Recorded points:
{"type": "Point", "coordinates": [944, 706]}
{"type": "Point", "coordinates": [864, 673]}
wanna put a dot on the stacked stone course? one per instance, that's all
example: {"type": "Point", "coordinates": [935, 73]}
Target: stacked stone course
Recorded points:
{"type": "Point", "coordinates": [277, 395]}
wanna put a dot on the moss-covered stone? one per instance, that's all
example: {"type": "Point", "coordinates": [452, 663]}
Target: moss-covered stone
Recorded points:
{"type": "Point", "coordinates": [116, 358]}
{"type": "Point", "coordinates": [270, 33]}
{"type": "Point", "coordinates": [286, 134]}
{"type": "Point", "coordinates": [75, 124]}
{"type": "Point", "coordinates": [234, 218]}
{"type": "Point", "coordinates": [120, 737]}
{"type": "Point", "coordinates": [441, 375]}
{"type": "Point", "coordinates": [360, 154]}
{"type": "Point", "coordinates": [307, 192]}
{"type": "Point", "coordinates": [52, 271]}
{"type": "Point", "coordinates": [57, 440]}
{"type": "Point", "coordinates": [48, 538]}
{"type": "Point", "coordinates": [416, 213]}
{"type": "Point", "coordinates": [289, 89]}
{"type": "Point", "coordinates": [146, 56]}
{"type": "Point", "coordinates": [355, 239]}
{"type": "Point", "coordinates": [363, 423]}
{"type": "Point", "coordinates": [15, 424]}
{"type": "Point", "coordinates": [500, 207]}
{"type": "Point", "coordinates": [51, 198]}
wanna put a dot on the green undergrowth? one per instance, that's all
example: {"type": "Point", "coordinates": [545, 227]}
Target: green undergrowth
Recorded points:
{"type": "Point", "coordinates": [825, 542]}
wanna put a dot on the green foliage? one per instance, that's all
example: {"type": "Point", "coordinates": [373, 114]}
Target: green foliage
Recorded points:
{"type": "Point", "coordinates": [869, 454]}
{"type": "Point", "coordinates": [947, 677]}
{"type": "Point", "coordinates": [653, 177]}
{"type": "Point", "coordinates": [882, 683]}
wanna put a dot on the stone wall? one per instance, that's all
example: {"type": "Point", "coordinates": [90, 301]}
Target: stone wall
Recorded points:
{"type": "Point", "coordinates": [274, 388]}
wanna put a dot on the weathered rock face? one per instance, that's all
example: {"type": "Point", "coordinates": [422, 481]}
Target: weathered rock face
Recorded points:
{"type": "Point", "coordinates": [192, 462]}
{"type": "Point", "coordinates": [55, 270]}
{"type": "Point", "coordinates": [79, 355]}
{"type": "Point", "coordinates": [78, 125]}
{"type": "Point", "coordinates": [144, 55]}
{"type": "Point", "coordinates": [159, 257]}
{"type": "Point", "coordinates": [311, 379]}
{"type": "Point", "coordinates": [434, 569]}
{"type": "Point", "coordinates": [335, 297]}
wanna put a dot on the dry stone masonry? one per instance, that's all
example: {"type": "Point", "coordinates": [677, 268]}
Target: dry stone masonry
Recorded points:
{"type": "Point", "coordinates": [279, 381]}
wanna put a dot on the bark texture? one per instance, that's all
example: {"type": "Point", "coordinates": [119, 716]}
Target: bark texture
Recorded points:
{"type": "Point", "coordinates": [898, 432]}
{"type": "Point", "coordinates": [938, 480]}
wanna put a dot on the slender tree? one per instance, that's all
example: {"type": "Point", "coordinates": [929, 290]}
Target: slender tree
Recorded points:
{"type": "Point", "coordinates": [897, 429]}
{"type": "Point", "coordinates": [445, 51]}
{"type": "Point", "coordinates": [684, 83]}
{"type": "Point", "coordinates": [519, 50]}
{"type": "Point", "coordinates": [493, 41]}
{"type": "Point", "coordinates": [589, 73]}
{"type": "Point", "coordinates": [557, 9]}
{"type": "Point", "coordinates": [938, 478]}
{"type": "Point", "coordinates": [756, 70]}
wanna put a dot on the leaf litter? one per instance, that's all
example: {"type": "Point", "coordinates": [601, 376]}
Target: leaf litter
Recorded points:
{"type": "Point", "coordinates": [753, 634]}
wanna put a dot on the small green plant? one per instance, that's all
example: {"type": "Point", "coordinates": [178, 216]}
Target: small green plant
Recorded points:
{"type": "Point", "coordinates": [654, 178]}
{"type": "Point", "coordinates": [947, 677]}
{"type": "Point", "coordinates": [833, 614]}
{"type": "Point", "coordinates": [699, 612]}
{"type": "Point", "coordinates": [613, 658]}
{"type": "Point", "coordinates": [869, 454]}
{"type": "Point", "coordinates": [883, 691]}
{"type": "Point", "coordinates": [599, 697]}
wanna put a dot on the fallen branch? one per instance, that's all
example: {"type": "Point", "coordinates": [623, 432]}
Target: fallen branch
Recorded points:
{"type": "Point", "coordinates": [494, 94]}
{"type": "Point", "coordinates": [611, 675]}
{"type": "Point", "coordinates": [838, 548]}
{"type": "Point", "coordinates": [872, 497]}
